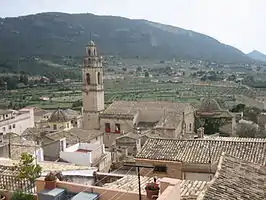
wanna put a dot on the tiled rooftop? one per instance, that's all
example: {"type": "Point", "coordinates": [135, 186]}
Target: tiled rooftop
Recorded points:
{"type": "Point", "coordinates": [234, 139]}
{"type": "Point", "coordinates": [170, 120]}
{"type": "Point", "coordinates": [58, 116]}
{"type": "Point", "coordinates": [46, 166]}
{"type": "Point", "coordinates": [74, 135]}
{"type": "Point", "coordinates": [132, 107]}
{"type": "Point", "coordinates": [189, 189]}
{"type": "Point", "coordinates": [236, 179]}
{"type": "Point", "coordinates": [166, 114]}
{"type": "Point", "coordinates": [199, 151]}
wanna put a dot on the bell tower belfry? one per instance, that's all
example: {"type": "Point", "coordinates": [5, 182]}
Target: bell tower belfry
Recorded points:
{"type": "Point", "coordinates": [93, 90]}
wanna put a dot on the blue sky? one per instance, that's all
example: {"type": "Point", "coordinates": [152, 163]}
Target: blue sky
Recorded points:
{"type": "Point", "coordinates": [240, 23]}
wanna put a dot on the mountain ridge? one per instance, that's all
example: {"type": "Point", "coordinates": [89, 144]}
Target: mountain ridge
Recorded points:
{"type": "Point", "coordinates": [257, 55]}
{"type": "Point", "coordinates": [63, 34]}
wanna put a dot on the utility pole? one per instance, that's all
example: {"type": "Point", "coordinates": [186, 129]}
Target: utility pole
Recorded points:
{"type": "Point", "coordinates": [9, 145]}
{"type": "Point", "coordinates": [138, 172]}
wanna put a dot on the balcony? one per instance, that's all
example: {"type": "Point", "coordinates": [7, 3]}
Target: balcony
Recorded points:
{"type": "Point", "coordinates": [95, 192]}
{"type": "Point", "coordinates": [169, 190]}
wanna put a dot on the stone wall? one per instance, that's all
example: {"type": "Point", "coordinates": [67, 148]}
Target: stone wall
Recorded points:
{"type": "Point", "coordinates": [174, 169]}
{"type": "Point", "coordinates": [109, 138]}
{"type": "Point", "coordinates": [179, 170]}
{"type": "Point", "coordinates": [51, 151]}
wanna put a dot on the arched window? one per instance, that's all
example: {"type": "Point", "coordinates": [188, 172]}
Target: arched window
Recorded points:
{"type": "Point", "coordinates": [89, 52]}
{"type": "Point", "coordinates": [94, 52]}
{"type": "Point", "coordinates": [99, 78]}
{"type": "Point", "coordinates": [88, 78]}
{"type": "Point", "coordinates": [190, 127]}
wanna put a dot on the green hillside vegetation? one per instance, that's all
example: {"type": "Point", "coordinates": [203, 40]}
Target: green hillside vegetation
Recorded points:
{"type": "Point", "coordinates": [54, 35]}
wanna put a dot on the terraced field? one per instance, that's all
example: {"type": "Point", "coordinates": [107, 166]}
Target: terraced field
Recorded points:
{"type": "Point", "coordinates": [65, 95]}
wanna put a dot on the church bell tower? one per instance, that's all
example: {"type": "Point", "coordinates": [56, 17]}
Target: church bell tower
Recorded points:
{"type": "Point", "coordinates": [93, 90]}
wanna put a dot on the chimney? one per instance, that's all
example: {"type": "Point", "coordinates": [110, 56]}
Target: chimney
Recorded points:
{"type": "Point", "coordinates": [200, 132]}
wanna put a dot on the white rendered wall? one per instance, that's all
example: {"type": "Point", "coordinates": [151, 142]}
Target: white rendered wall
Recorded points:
{"type": "Point", "coordinates": [78, 158]}
{"type": "Point", "coordinates": [71, 155]}
{"type": "Point", "coordinates": [18, 123]}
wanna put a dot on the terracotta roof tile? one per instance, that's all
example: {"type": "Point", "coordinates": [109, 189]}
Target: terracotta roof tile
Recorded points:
{"type": "Point", "coordinates": [74, 135]}
{"type": "Point", "coordinates": [189, 189]}
{"type": "Point", "coordinates": [133, 107]}
{"type": "Point", "coordinates": [59, 116]}
{"type": "Point", "coordinates": [46, 165]}
{"type": "Point", "coordinates": [199, 151]}
{"type": "Point", "coordinates": [237, 179]}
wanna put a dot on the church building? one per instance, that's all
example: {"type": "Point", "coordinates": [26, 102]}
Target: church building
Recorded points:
{"type": "Point", "coordinates": [164, 119]}
{"type": "Point", "coordinates": [93, 91]}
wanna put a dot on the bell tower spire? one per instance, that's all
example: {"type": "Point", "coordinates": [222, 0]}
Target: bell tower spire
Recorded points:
{"type": "Point", "coordinates": [93, 90]}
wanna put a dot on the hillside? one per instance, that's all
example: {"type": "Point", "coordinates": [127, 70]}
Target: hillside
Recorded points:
{"type": "Point", "coordinates": [256, 55]}
{"type": "Point", "coordinates": [61, 34]}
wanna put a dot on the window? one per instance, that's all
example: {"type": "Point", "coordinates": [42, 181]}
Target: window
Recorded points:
{"type": "Point", "coordinates": [89, 52]}
{"type": "Point", "coordinates": [107, 127]}
{"type": "Point", "coordinates": [160, 168]}
{"type": "Point", "coordinates": [67, 125]}
{"type": "Point", "coordinates": [54, 127]}
{"type": "Point", "coordinates": [88, 78]}
{"type": "Point", "coordinates": [14, 125]}
{"type": "Point", "coordinates": [10, 127]}
{"type": "Point", "coordinates": [61, 145]}
{"type": "Point", "coordinates": [99, 78]}
{"type": "Point", "coordinates": [190, 127]}
{"type": "Point", "coordinates": [117, 128]}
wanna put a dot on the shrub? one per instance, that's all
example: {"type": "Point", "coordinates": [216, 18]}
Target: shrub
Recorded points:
{"type": "Point", "coordinates": [27, 169]}
{"type": "Point", "coordinates": [18, 195]}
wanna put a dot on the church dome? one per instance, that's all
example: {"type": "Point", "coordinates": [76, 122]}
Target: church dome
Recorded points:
{"type": "Point", "coordinates": [209, 105]}
{"type": "Point", "coordinates": [58, 116]}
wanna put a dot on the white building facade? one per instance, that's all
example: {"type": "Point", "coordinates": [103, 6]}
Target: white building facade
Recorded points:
{"type": "Point", "coordinates": [12, 121]}
{"type": "Point", "coordinates": [86, 154]}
